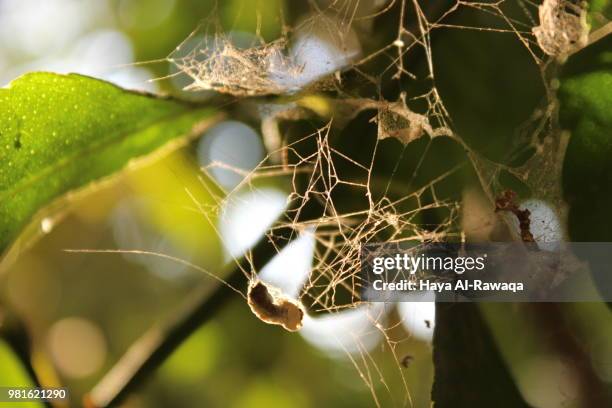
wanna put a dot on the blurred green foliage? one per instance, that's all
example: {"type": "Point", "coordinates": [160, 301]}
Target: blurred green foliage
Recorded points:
{"type": "Point", "coordinates": [13, 373]}
{"type": "Point", "coordinates": [586, 99]}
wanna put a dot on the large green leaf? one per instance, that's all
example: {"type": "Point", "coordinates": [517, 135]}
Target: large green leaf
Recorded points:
{"type": "Point", "coordinates": [61, 132]}
{"type": "Point", "coordinates": [585, 98]}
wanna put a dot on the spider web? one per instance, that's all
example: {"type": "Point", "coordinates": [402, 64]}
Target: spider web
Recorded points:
{"type": "Point", "coordinates": [320, 173]}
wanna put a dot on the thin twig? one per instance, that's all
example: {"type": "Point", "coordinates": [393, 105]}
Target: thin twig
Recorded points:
{"type": "Point", "coordinates": [600, 33]}
{"type": "Point", "coordinates": [152, 349]}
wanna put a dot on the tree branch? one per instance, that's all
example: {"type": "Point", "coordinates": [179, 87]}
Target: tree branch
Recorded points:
{"type": "Point", "coordinates": [155, 345]}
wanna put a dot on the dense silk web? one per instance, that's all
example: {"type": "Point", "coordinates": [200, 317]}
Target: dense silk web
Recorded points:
{"type": "Point", "coordinates": [549, 31]}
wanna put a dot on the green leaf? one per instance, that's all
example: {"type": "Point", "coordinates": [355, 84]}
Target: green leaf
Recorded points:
{"type": "Point", "coordinates": [61, 132]}
{"type": "Point", "coordinates": [585, 98]}
{"type": "Point", "coordinates": [14, 374]}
